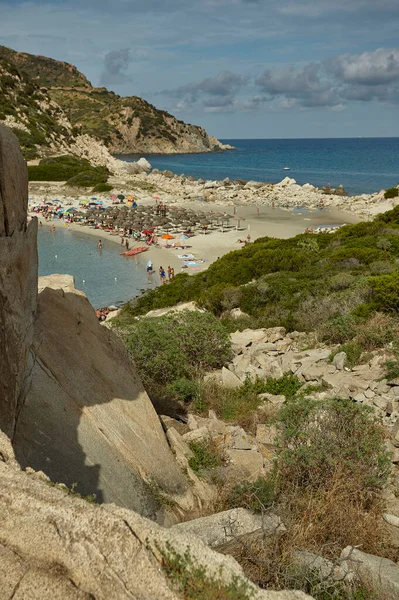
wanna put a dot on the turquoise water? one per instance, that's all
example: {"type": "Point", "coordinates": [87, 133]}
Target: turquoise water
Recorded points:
{"type": "Point", "coordinates": [361, 165]}
{"type": "Point", "coordinates": [105, 276]}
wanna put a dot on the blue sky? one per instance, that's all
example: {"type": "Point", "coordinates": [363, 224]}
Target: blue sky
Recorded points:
{"type": "Point", "coordinates": [239, 68]}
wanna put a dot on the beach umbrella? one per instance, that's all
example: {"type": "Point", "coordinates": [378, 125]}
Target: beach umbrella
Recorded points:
{"type": "Point", "coordinates": [148, 231]}
{"type": "Point", "coordinates": [238, 219]}
{"type": "Point", "coordinates": [156, 197]}
{"type": "Point", "coordinates": [167, 236]}
{"type": "Point", "coordinates": [183, 237]}
{"type": "Point", "coordinates": [121, 197]}
{"type": "Point", "coordinates": [84, 202]}
{"type": "Point", "coordinates": [93, 198]}
{"type": "Point", "coordinates": [129, 197]}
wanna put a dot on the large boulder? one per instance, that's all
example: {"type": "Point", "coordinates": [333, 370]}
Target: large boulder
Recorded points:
{"type": "Point", "coordinates": [55, 546]}
{"type": "Point", "coordinates": [87, 420]}
{"type": "Point", "coordinates": [18, 278]}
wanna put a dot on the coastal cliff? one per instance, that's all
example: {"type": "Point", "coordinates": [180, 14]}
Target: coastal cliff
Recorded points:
{"type": "Point", "coordinates": [49, 103]}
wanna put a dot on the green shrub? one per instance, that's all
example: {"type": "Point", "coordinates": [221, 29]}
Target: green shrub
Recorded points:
{"type": "Point", "coordinates": [385, 291]}
{"type": "Point", "coordinates": [181, 345]}
{"type": "Point", "coordinates": [287, 385]}
{"type": "Point", "coordinates": [341, 281]}
{"type": "Point", "coordinates": [205, 456]}
{"type": "Point", "coordinates": [102, 187]}
{"type": "Point", "coordinates": [88, 178]}
{"type": "Point", "coordinates": [338, 329]}
{"type": "Point", "coordinates": [318, 439]}
{"type": "Point", "coordinates": [256, 496]}
{"type": "Point", "coordinates": [391, 193]}
{"type": "Point", "coordinates": [195, 583]}
{"type": "Point", "coordinates": [353, 351]}
{"type": "Point", "coordinates": [183, 389]}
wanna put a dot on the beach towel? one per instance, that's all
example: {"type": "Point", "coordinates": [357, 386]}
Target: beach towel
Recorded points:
{"type": "Point", "coordinates": [191, 263]}
{"type": "Point", "coordinates": [185, 256]}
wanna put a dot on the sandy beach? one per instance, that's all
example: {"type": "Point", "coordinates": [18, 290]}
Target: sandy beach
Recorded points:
{"type": "Point", "coordinates": [272, 222]}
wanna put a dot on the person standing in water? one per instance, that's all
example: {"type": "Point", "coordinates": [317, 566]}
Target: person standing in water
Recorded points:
{"type": "Point", "coordinates": [149, 269]}
{"type": "Point", "coordinates": [99, 245]}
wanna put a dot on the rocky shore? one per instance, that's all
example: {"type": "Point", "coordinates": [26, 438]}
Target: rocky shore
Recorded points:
{"type": "Point", "coordinates": [285, 194]}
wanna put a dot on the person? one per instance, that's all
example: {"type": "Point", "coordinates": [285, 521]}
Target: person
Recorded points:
{"type": "Point", "coordinates": [169, 273]}
{"type": "Point", "coordinates": [127, 244]}
{"type": "Point", "coordinates": [257, 211]}
{"type": "Point", "coordinates": [122, 240]}
{"type": "Point", "coordinates": [53, 228]}
{"type": "Point", "coordinates": [134, 204]}
{"type": "Point", "coordinates": [162, 276]}
{"type": "Point", "coordinates": [149, 269]}
{"type": "Point", "coordinates": [99, 245]}
{"type": "Point", "coordinates": [172, 271]}
{"type": "Point", "coordinates": [248, 238]}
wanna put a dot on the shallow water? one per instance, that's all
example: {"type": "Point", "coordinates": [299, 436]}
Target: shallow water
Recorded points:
{"type": "Point", "coordinates": [104, 276]}
{"type": "Point", "coordinates": [361, 165]}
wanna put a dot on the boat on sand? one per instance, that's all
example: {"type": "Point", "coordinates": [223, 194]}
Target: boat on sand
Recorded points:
{"type": "Point", "coordinates": [134, 251]}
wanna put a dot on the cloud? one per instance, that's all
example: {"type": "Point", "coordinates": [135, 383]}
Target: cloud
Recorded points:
{"type": "Point", "coordinates": [212, 92]}
{"type": "Point", "coordinates": [334, 82]}
{"type": "Point", "coordinates": [115, 65]}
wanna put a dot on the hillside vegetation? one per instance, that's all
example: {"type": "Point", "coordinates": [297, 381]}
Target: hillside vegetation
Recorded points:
{"type": "Point", "coordinates": [57, 92]}
{"type": "Point", "coordinates": [325, 282]}
{"type": "Point", "coordinates": [38, 122]}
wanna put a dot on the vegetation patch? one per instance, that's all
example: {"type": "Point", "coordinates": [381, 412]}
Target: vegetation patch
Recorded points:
{"type": "Point", "coordinates": [195, 583]}
{"type": "Point", "coordinates": [177, 346]}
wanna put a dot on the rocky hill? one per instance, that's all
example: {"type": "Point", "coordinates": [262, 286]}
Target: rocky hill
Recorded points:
{"type": "Point", "coordinates": [47, 100]}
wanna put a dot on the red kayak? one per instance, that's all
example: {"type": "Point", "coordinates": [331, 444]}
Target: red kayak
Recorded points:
{"type": "Point", "coordinates": [134, 251]}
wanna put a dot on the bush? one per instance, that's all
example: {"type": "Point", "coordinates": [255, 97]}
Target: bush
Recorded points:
{"type": "Point", "coordinates": [102, 187]}
{"type": "Point", "coordinates": [320, 439]}
{"type": "Point", "coordinates": [385, 291]}
{"type": "Point", "coordinates": [256, 496]}
{"type": "Point", "coordinates": [287, 385]}
{"type": "Point", "coordinates": [353, 351]}
{"type": "Point", "coordinates": [181, 345]}
{"type": "Point", "coordinates": [206, 456]}
{"type": "Point", "coordinates": [88, 178]}
{"type": "Point", "coordinates": [338, 329]}
{"type": "Point", "coordinates": [391, 193]}
{"type": "Point", "coordinates": [183, 389]}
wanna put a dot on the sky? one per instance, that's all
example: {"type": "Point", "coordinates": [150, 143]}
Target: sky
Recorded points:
{"type": "Point", "coordinates": [239, 68]}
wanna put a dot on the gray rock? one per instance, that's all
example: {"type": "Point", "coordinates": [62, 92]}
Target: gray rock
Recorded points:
{"type": "Point", "coordinates": [391, 519]}
{"type": "Point", "coordinates": [381, 574]}
{"type": "Point", "coordinates": [98, 427]}
{"type": "Point", "coordinates": [266, 434]}
{"type": "Point", "coordinates": [219, 528]}
{"type": "Point", "coordinates": [100, 552]}
{"type": "Point", "coordinates": [240, 440]}
{"type": "Point", "coordinates": [339, 360]}
{"type": "Point", "coordinates": [18, 279]}
{"type": "Point", "coordinates": [244, 465]}
{"type": "Point", "coordinates": [327, 568]}
{"type": "Point", "coordinates": [230, 380]}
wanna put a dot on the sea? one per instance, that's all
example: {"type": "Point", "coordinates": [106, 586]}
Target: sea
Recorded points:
{"type": "Point", "coordinates": [104, 276]}
{"type": "Point", "coordinates": [361, 165]}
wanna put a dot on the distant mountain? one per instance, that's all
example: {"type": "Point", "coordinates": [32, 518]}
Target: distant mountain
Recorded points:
{"type": "Point", "coordinates": [47, 102]}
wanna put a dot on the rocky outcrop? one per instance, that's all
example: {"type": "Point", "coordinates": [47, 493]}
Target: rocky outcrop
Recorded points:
{"type": "Point", "coordinates": [86, 419]}
{"type": "Point", "coordinates": [18, 279]}
{"type": "Point", "coordinates": [70, 399]}
{"type": "Point", "coordinates": [67, 110]}
{"type": "Point", "coordinates": [55, 546]}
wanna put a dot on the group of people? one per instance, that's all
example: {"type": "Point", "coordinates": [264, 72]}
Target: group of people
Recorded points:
{"type": "Point", "coordinates": [101, 313]}
{"type": "Point", "coordinates": [162, 274]}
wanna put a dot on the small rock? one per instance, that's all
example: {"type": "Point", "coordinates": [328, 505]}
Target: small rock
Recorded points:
{"type": "Point", "coordinates": [266, 434]}
{"type": "Point", "coordinates": [230, 380]}
{"type": "Point", "coordinates": [339, 360]}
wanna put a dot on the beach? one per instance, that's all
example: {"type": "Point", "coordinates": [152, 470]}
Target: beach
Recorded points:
{"type": "Point", "coordinates": [208, 247]}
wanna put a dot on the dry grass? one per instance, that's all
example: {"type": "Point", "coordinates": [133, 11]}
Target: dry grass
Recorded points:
{"type": "Point", "coordinates": [377, 331]}
{"type": "Point", "coordinates": [322, 521]}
